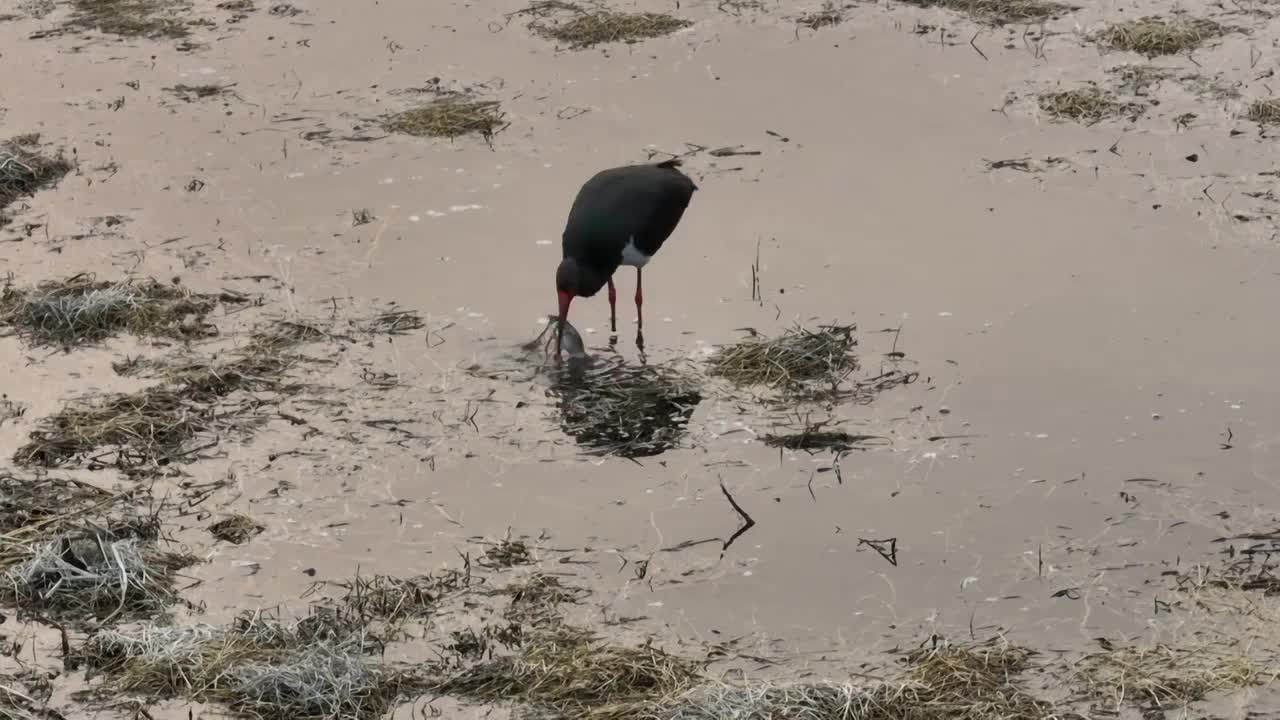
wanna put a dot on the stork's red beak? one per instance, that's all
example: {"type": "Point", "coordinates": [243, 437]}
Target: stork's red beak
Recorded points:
{"type": "Point", "coordinates": [565, 299]}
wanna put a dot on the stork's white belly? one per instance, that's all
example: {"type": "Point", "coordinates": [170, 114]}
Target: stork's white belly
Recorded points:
{"type": "Point", "coordinates": [632, 256]}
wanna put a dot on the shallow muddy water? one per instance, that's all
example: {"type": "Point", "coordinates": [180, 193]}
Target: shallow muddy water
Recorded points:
{"type": "Point", "coordinates": [1094, 347]}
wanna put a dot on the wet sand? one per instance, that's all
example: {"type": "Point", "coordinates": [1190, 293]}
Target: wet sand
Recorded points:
{"type": "Point", "coordinates": [1092, 341]}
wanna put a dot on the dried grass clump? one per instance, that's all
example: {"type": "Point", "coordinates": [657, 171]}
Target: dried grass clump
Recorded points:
{"type": "Point", "coordinates": [1153, 36]}
{"type": "Point", "coordinates": [449, 116]}
{"type": "Point", "coordinates": [1088, 105]}
{"type": "Point", "coordinates": [566, 672]}
{"type": "Point", "coordinates": [506, 554]}
{"type": "Point", "coordinates": [37, 510]}
{"type": "Point", "coordinates": [947, 682]}
{"type": "Point", "coordinates": [35, 507]}
{"type": "Point", "coordinates": [1250, 572]}
{"type": "Point", "coordinates": [144, 431]}
{"type": "Point", "coordinates": [537, 600]}
{"type": "Point", "coordinates": [236, 529]}
{"type": "Point", "coordinates": [1164, 677]}
{"type": "Point", "coordinates": [1264, 112]}
{"type": "Point", "coordinates": [583, 27]}
{"type": "Point", "coordinates": [829, 15]}
{"type": "Point", "coordinates": [198, 398]}
{"type": "Point", "coordinates": [192, 93]}
{"type": "Point", "coordinates": [26, 697]}
{"type": "Point", "coordinates": [394, 321]}
{"type": "Point", "coordinates": [129, 431]}
{"type": "Point", "coordinates": [152, 19]}
{"type": "Point", "coordinates": [78, 310]}
{"type": "Point", "coordinates": [95, 575]}
{"type": "Point", "coordinates": [795, 358]}
{"type": "Point", "coordinates": [629, 411]}
{"type": "Point", "coordinates": [25, 170]}
{"type": "Point", "coordinates": [562, 672]}
{"type": "Point", "coordinates": [1000, 12]}
{"type": "Point", "coordinates": [976, 680]}
{"type": "Point", "coordinates": [260, 668]}
{"type": "Point", "coordinates": [392, 600]}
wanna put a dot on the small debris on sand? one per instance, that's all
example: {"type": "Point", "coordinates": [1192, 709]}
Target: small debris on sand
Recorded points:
{"type": "Point", "coordinates": [830, 15]}
{"type": "Point", "coordinates": [237, 529]}
{"type": "Point", "coordinates": [191, 93]}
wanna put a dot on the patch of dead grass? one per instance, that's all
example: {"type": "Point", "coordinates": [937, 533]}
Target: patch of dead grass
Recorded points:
{"type": "Point", "coordinates": [1152, 36]}
{"type": "Point", "coordinates": [561, 671]}
{"type": "Point", "coordinates": [151, 19]}
{"type": "Point", "coordinates": [829, 15]}
{"type": "Point", "coordinates": [506, 554]}
{"type": "Point", "coordinates": [145, 431]}
{"type": "Point", "coordinates": [198, 401]}
{"type": "Point", "coordinates": [568, 672]}
{"type": "Point", "coordinates": [319, 668]}
{"type": "Point", "coordinates": [450, 116]}
{"type": "Point", "coordinates": [25, 170]}
{"type": "Point", "coordinates": [999, 12]}
{"type": "Point", "coordinates": [192, 93]}
{"type": "Point", "coordinates": [36, 510]}
{"type": "Point", "coordinates": [390, 600]}
{"type": "Point", "coordinates": [237, 529]}
{"type": "Point", "coordinates": [20, 703]}
{"type": "Point", "coordinates": [95, 576]}
{"type": "Point", "coordinates": [1088, 105]}
{"type": "Point", "coordinates": [1264, 112]}
{"type": "Point", "coordinates": [1164, 677]}
{"type": "Point", "coordinates": [803, 365]}
{"type": "Point", "coordinates": [582, 26]}
{"type": "Point", "coordinates": [79, 310]}
{"type": "Point", "coordinates": [796, 357]}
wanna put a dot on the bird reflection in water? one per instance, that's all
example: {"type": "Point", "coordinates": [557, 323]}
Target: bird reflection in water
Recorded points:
{"type": "Point", "coordinates": [611, 408]}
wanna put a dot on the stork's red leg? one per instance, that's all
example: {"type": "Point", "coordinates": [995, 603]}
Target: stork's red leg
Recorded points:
{"type": "Point", "coordinates": [639, 301]}
{"type": "Point", "coordinates": [613, 307]}
{"type": "Point", "coordinates": [565, 299]}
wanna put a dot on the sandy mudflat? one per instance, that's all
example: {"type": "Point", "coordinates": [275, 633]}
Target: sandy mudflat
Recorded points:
{"type": "Point", "coordinates": [1056, 234]}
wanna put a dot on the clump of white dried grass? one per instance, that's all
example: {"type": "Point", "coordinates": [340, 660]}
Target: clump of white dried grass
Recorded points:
{"type": "Point", "coordinates": [318, 668]}
{"type": "Point", "coordinates": [95, 574]}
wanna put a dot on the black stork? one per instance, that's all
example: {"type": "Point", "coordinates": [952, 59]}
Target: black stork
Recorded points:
{"type": "Point", "coordinates": [621, 216]}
